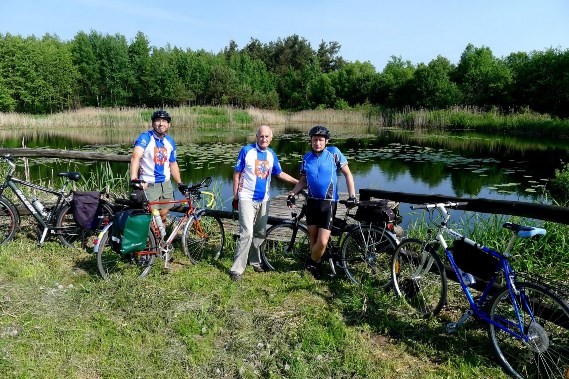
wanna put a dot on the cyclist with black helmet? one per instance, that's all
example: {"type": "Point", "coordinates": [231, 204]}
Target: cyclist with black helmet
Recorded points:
{"type": "Point", "coordinates": [319, 173]}
{"type": "Point", "coordinates": [153, 160]}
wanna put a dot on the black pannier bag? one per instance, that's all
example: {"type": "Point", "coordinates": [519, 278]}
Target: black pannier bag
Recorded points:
{"type": "Point", "coordinates": [129, 232]}
{"type": "Point", "coordinates": [375, 211]}
{"type": "Point", "coordinates": [87, 209]}
{"type": "Point", "coordinates": [473, 260]}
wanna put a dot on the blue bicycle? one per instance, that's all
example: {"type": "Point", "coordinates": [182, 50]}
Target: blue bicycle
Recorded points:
{"type": "Point", "coordinates": [528, 323]}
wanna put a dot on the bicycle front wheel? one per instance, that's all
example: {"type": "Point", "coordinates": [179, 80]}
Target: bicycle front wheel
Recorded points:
{"type": "Point", "coordinates": [203, 238]}
{"type": "Point", "coordinates": [285, 247]}
{"type": "Point", "coordinates": [72, 235]}
{"type": "Point", "coordinates": [9, 220]}
{"type": "Point", "coordinates": [544, 350]}
{"type": "Point", "coordinates": [419, 278]}
{"type": "Point", "coordinates": [367, 251]}
{"type": "Point", "coordinates": [112, 264]}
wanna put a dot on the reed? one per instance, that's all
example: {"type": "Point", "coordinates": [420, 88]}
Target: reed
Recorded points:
{"type": "Point", "coordinates": [455, 118]}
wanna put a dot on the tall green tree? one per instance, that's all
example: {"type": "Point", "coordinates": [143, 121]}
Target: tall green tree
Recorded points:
{"type": "Point", "coordinates": [165, 77]}
{"type": "Point", "coordinates": [112, 51]}
{"type": "Point", "coordinates": [431, 85]}
{"type": "Point", "coordinates": [59, 75]}
{"type": "Point", "coordinates": [139, 68]}
{"type": "Point", "coordinates": [7, 103]}
{"type": "Point", "coordinates": [328, 56]}
{"type": "Point", "coordinates": [85, 60]}
{"type": "Point", "coordinates": [391, 90]}
{"type": "Point", "coordinates": [355, 82]}
{"type": "Point", "coordinates": [483, 79]}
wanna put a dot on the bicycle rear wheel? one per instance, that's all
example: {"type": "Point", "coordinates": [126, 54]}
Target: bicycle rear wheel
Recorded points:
{"type": "Point", "coordinates": [419, 278]}
{"type": "Point", "coordinates": [545, 318]}
{"type": "Point", "coordinates": [281, 252]}
{"type": "Point", "coordinates": [9, 220]}
{"type": "Point", "coordinates": [72, 235]}
{"type": "Point", "coordinates": [366, 255]}
{"type": "Point", "coordinates": [203, 238]}
{"type": "Point", "coordinates": [112, 264]}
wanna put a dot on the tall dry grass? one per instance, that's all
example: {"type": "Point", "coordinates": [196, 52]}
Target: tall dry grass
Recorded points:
{"type": "Point", "coordinates": [372, 118]}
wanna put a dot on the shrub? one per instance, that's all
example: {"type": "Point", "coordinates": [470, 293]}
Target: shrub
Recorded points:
{"type": "Point", "coordinates": [560, 185]}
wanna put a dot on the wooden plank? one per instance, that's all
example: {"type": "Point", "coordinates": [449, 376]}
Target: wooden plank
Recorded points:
{"type": "Point", "coordinates": [56, 153]}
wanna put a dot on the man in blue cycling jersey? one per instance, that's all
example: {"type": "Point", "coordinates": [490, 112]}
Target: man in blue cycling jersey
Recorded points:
{"type": "Point", "coordinates": [255, 165]}
{"type": "Point", "coordinates": [153, 161]}
{"type": "Point", "coordinates": [319, 173]}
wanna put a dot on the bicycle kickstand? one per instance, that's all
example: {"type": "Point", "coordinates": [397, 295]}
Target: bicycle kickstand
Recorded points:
{"type": "Point", "coordinates": [452, 327]}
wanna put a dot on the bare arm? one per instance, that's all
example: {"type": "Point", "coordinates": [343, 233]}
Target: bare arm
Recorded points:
{"type": "Point", "coordinates": [287, 178]}
{"type": "Point", "coordinates": [300, 185]}
{"type": "Point", "coordinates": [236, 180]}
{"type": "Point", "coordinates": [135, 162]}
{"type": "Point", "coordinates": [349, 180]}
{"type": "Point", "coordinates": [175, 171]}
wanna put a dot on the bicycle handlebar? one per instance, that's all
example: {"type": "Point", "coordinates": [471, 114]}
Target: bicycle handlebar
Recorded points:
{"type": "Point", "coordinates": [10, 161]}
{"type": "Point", "coordinates": [449, 204]}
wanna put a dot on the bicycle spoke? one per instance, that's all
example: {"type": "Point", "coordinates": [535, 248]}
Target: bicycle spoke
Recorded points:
{"type": "Point", "coordinates": [543, 349]}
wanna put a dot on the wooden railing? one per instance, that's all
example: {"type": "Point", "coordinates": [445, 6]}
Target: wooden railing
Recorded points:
{"type": "Point", "coordinates": [506, 207]}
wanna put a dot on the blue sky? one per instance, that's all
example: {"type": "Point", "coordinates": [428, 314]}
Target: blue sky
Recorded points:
{"type": "Point", "coordinates": [368, 30]}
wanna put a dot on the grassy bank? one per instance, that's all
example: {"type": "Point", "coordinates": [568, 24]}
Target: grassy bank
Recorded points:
{"type": "Point", "coordinates": [59, 320]}
{"type": "Point", "coordinates": [215, 117]}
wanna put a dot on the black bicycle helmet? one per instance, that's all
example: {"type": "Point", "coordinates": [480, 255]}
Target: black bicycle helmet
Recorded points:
{"type": "Point", "coordinates": [319, 130]}
{"type": "Point", "coordinates": [161, 113]}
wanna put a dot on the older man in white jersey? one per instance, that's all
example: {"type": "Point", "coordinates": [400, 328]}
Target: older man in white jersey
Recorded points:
{"type": "Point", "coordinates": [255, 165]}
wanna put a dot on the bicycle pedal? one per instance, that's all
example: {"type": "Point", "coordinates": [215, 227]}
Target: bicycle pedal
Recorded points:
{"type": "Point", "coordinates": [451, 327]}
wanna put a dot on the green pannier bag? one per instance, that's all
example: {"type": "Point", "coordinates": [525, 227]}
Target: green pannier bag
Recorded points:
{"type": "Point", "coordinates": [129, 232]}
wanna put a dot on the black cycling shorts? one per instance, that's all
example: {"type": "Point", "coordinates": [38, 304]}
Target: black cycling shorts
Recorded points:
{"type": "Point", "coordinates": [320, 213]}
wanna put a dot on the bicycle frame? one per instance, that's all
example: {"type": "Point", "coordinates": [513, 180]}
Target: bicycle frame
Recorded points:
{"type": "Point", "coordinates": [504, 267]}
{"type": "Point", "coordinates": [46, 222]}
{"type": "Point", "coordinates": [332, 253]}
{"type": "Point", "coordinates": [13, 183]}
{"type": "Point", "coordinates": [165, 249]}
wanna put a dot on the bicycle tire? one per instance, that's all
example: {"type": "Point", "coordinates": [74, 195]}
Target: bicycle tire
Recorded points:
{"type": "Point", "coordinates": [112, 264]}
{"type": "Point", "coordinates": [72, 235]}
{"type": "Point", "coordinates": [9, 220]}
{"type": "Point", "coordinates": [366, 256]}
{"type": "Point", "coordinates": [546, 353]}
{"type": "Point", "coordinates": [419, 277]}
{"type": "Point", "coordinates": [203, 238]}
{"type": "Point", "coordinates": [280, 252]}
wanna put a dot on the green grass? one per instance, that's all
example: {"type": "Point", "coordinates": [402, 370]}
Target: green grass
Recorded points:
{"type": "Point", "coordinates": [60, 320]}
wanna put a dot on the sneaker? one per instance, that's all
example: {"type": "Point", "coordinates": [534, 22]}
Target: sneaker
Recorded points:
{"type": "Point", "coordinates": [258, 268]}
{"type": "Point", "coordinates": [235, 276]}
{"type": "Point", "coordinates": [314, 268]}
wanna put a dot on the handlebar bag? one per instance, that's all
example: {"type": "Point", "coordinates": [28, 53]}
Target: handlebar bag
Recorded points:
{"type": "Point", "coordinates": [87, 209]}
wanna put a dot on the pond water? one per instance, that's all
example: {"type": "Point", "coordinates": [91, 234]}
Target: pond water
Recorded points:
{"type": "Point", "coordinates": [455, 164]}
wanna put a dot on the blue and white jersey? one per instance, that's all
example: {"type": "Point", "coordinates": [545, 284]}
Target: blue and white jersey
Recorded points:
{"type": "Point", "coordinates": [155, 161]}
{"type": "Point", "coordinates": [256, 167]}
{"type": "Point", "coordinates": [321, 172]}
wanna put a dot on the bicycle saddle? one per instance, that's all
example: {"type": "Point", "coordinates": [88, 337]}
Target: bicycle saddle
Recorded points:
{"type": "Point", "coordinates": [524, 231]}
{"type": "Point", "coordinates": [75, 176]}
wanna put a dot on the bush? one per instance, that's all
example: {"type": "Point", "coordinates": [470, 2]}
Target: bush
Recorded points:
{"type": "Point", "coordinates": [560, 185]}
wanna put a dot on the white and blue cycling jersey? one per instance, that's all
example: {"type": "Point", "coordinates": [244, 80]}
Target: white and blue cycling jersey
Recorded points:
{"type": "Point", "coordinates": [321, 172]}
{"type": "Point", "coordinates": [157, 156]}
{"type": "Point", "coordinates": [256, 167]}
